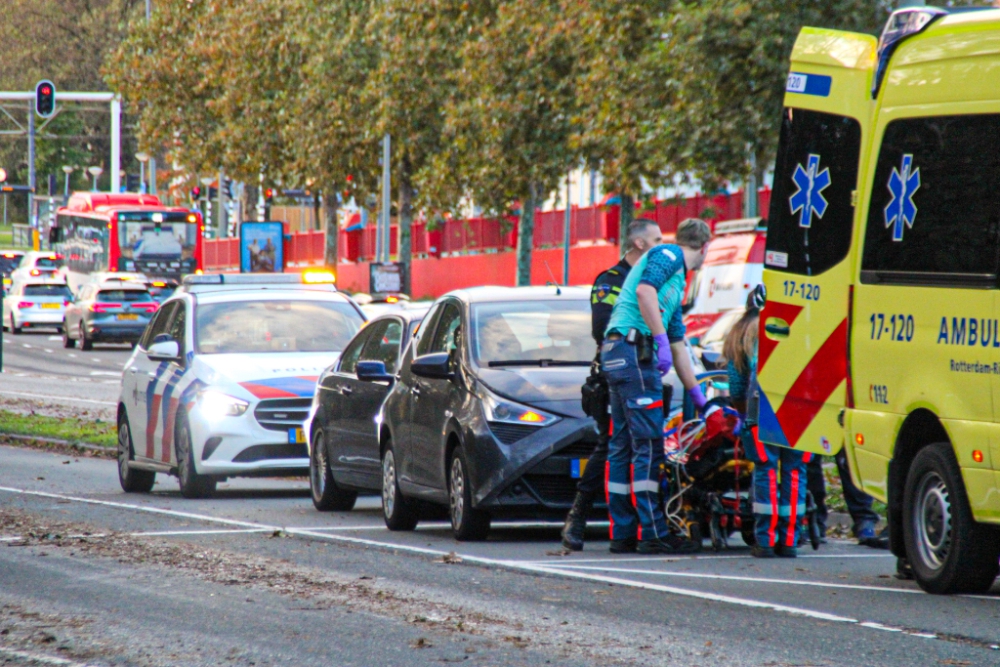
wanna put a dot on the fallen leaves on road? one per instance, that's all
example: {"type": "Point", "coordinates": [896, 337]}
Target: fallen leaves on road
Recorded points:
{"type": "Point", "coordinates": [451, 558]}
{"type": "Point", "coordinates": [559, 552]}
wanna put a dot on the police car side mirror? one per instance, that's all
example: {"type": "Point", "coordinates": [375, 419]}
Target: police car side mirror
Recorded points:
{"type": "Point", "coordinates": [373, 371]}
{"type": "Point", "coordinates": [164, 350]}
{"type": "Point", "coordinates": [434, 366]}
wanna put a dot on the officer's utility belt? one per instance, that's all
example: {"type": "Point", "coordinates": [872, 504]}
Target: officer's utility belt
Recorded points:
{"type": "Point", "coordinates": [643, 343]}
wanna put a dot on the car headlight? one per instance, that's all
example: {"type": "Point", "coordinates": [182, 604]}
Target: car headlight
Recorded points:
{"type": "Point", "coordinates": [508, 412]}
{"type": "Point", "coordinates": [215, 404]}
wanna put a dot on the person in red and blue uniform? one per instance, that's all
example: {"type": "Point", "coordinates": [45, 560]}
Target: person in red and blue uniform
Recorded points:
{"type": "Point", "coordinates": [644, 338]}
{"type": "Point", "coordinates": [779, 475]}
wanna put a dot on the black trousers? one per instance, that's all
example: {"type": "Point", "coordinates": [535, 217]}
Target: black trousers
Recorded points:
{"type": "Point", "coordinates": [592, 479]}
{"type": "Point", "coordinates": [859, 503]}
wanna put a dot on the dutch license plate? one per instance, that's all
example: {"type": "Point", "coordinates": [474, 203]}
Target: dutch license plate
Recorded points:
{"type": "Point", "coordinates": [576, 468]}
{"type": "Point", "coordinates": [127, 316]}
{"type": "Point", "coordinates": [51, 305]}
{"type": "Point", "coordinates": [296, 436]}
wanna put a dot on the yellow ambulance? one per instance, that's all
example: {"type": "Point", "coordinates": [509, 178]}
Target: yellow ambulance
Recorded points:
{"type": "Point", "coordinates": [880, 331]}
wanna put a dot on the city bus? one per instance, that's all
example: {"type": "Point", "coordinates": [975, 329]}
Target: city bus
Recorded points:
{"type": "Point", "coordinates": [126, 232]}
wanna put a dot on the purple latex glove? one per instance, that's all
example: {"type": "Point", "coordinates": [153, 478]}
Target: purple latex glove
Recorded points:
{"type": "Point", "coordinates": [698, 398]}
{"type": "Point", "coordinates": [664, 357]}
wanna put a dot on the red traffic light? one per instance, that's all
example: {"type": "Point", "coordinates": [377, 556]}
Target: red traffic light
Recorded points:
{"type": "Point", "coordinates": [269, 194]}
{"type": "Point", "coordinates": [196, 192]}
{"type": "Point", "coordinates": [45, 98]}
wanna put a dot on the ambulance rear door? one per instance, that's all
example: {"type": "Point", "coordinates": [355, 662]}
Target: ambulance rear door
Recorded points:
{"type": "Point", "coordinates": [808, 260]}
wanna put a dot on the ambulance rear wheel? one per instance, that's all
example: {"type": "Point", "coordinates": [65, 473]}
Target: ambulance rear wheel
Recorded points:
{"type": "Point", "coordinates": [948, 551]}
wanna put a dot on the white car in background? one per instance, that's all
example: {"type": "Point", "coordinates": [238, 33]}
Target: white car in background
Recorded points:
{"type": "Point", "coordinates": [35, 302]}
{"type": "Point", "coordinates": [223, 378]}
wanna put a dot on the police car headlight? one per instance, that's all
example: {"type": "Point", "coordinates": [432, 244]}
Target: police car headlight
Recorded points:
{"type": "Point", "coordinates": [215, 404]}
{"type": "Point", "coordinates": [508, 412]}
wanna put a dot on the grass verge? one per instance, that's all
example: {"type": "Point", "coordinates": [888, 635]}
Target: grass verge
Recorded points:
{"type": "Point", "coordinates": [94, 432]}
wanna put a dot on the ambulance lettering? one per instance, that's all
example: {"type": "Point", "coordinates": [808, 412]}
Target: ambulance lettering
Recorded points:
{"type": "Point", "coordinates": [900, 210]}
{"type": "Point", "coordinates": [969, 332]}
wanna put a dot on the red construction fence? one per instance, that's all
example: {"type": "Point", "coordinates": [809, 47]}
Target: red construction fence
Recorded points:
{"type": "Point", "coordinates": [479, 251]}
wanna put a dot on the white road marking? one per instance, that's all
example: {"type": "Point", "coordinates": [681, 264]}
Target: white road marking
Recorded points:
{"type": "Point", "coordinates": [728, 577]}
{"type": "Point", "coordinates": [48, 350]}
{"type": "Point", "coordinates": [73, 356]}
{"type": "Point", "coordinates": [96, 360]}
{"type": "Point", "coordinates": [38, 657]}
{"type": "Point", "coordinates": [25, 345]}
{"type": "Point", "coordinates": [701, 556]}
{"type": "Point", "coordinates": [479, 560]}
{"type": "Point", "coordinates": [25, 394]}
{"type": "Point", "coordinates": [55, 338]}
{"type": "Point", "coordinates": [162, 533]}
{"type": "Point", "coordinates": [111, 373]}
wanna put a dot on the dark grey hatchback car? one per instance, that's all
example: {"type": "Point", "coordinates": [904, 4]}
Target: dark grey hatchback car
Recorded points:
{"type": "Point", "coordinates": [484, 415]}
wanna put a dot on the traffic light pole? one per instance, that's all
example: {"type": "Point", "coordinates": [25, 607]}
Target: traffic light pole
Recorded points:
{"type": "Point", "coordinates": [32, 220]}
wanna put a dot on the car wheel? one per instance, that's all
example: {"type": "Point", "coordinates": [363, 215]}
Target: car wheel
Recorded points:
{"type": "Point", "coordinates": [132, 481]}
{"type": "Point", "coordinates": [85, 343]}
{"type": "Point", "coordinates": [468, 524]}
{"type": "Point", "coordinates": [193, 485]}
{"type": "Point", "coordinates": [399, 512]}
{"type": "Point", "coordinates": [326, 495]}
{"type": "Point", "coordinates": [948, 551]}
{"type": "Point", "coordinates": [68, 342]}
{"type": "Point", "coordinates": [14, 329]}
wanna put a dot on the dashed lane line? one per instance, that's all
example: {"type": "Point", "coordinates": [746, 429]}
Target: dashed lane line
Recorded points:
{"type": "Point", "coordinates": [492, 562]}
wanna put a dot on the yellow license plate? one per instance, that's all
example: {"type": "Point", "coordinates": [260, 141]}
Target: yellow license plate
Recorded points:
{"type": "Point", "coordinates": [296, 436]}
{"type": "Point", "coordinates": [127, 316]}
{"type": "Point", "coordinates": [51, 305]}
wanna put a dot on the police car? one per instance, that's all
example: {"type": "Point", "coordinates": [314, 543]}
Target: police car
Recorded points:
{"type": "Point", "coordinates": [223, 377]}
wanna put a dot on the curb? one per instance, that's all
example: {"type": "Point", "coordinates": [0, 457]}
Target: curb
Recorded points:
{"type": "Point", "coordinates": [57, 441]}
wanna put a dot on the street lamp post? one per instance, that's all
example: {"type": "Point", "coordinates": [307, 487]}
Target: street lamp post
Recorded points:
{"type": "Point", "coordinates": [96, 172]}
{"type": "Point", "coordinates": [143, 158]}
{"type": "Point", "coordinates": [67, 169]}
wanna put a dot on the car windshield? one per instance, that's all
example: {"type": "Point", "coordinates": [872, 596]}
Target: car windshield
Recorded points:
{"type": "Point", "coordinates": [532, 333]}
{"type": "Point", "coordinates": [8, 264]}
{"type": "Point", "coordinates": [119, 295]}
{"type": "Point", "coordinates": [241, 327]}
{"type": "Point", "coordinates": [161, 294]}
{"type": "Point", "coordinates": [48, 263]}
{"type": "Point", "coordinates": [61, 291]}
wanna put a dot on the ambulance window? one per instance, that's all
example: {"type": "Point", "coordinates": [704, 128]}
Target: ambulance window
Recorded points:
{"type": "Point", "coordinates": [816, 169]}
{"type": "Point", "coordinates": [933, 217]}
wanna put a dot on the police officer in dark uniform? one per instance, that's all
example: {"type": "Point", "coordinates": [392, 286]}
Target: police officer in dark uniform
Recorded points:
{"type": "Point", "coordinates": [642, 235]}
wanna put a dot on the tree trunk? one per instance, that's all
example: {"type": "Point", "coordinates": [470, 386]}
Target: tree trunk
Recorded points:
{"type": "Point", "coordinates": [330, 206]}
{"type": "Point", "coordinates": [626, 215]}
{"type": "Point", "coordinates": [526, 237]}
{"type": "Point", "coordinates": [405, 221]}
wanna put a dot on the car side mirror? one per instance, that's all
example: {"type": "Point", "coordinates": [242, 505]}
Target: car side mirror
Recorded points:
{"type": "Point", "coordinates": [373, 371]}
{"type": "Point", "coordinates": [435, 366]}
{"type": "Point", "coordinates": [164, 350]}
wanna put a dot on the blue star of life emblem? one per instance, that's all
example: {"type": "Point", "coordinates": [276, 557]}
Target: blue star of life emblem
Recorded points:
{"type": "Point", "coordinates": [903, 184]}
{"type": "Point", "coordinates": [809, 199]}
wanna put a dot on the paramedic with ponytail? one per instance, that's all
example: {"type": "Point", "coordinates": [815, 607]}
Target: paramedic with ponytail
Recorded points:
{"type": "Point", "coordinates": [779, 475]}
{"type": "Point", "coordinates": [644, 339]}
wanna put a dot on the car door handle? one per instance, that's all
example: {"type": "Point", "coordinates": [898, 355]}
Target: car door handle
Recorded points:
{"type": "Point", "coordinates": [416, 390]}
{"type": "Point", "coordinates": [776, 328]}
{"type": "Point", "coordinates": [346, 391]}
{"type": "Point", "coordinates": [133, 370]}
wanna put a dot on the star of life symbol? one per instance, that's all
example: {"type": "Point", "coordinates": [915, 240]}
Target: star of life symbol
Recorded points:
{"type": "Point", "coordinates": [903, 184]}
{"type": "Point", "coordinates": [809, 199]}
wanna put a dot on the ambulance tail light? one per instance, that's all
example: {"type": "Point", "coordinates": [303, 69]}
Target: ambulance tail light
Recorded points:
{"type": "Point", "coordinates": [849, 401]}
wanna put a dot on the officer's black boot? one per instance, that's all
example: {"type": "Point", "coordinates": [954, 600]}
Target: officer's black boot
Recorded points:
{"type": "Point", "coordinates": [576, 521]}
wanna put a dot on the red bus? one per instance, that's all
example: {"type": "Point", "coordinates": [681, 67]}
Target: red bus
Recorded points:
{"type": "Point", "coordinates": [98, 231]}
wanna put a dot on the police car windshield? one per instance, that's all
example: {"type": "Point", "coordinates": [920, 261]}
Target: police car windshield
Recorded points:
{"type": "Point", "coordinates": [531, 333]}
{"type": "Point", "coordinates": [247, 327]}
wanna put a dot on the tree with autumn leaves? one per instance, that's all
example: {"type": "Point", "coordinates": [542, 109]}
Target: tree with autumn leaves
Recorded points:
{"type": "Point", "coordinates": [486, 100]}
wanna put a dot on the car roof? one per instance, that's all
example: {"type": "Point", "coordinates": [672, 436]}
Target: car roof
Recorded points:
{"type": "Point", "coordinates": [11, 251]}
{"type": "Point", "coordinates": [408, 316]}
{"type": "Point", "coordinates": [262, 292]}
{"type": "Point", "coordinates": [494, 293]}
{"type": "Point", "coordinates": [125, 285]}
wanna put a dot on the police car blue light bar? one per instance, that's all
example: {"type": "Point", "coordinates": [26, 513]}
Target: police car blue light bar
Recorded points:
{"type": "Point", "coordinates": [305, 278]}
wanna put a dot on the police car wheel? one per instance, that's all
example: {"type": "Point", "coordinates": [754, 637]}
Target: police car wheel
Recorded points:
{"type": "Point", "coordinates": [399, 512]}
{"type": "Point", "coordinates": [132, 480]}
{"type": "Point", "coordinates": [326, 495]}
{"type": "Point", "coordinates": [948, 551]}
{"type": "Point", "coordinates": [468, 524]}
{"type": "Point", "coordinates": [193, 485]}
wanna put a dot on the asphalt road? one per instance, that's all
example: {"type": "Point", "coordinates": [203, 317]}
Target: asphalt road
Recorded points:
{"type": "Point", "coordinates": [37, 367]}
{"type": "Point", "coordinates": [512, 600]}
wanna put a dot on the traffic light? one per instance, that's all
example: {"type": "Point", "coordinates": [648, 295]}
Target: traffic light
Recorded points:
{"type": "Point", "coordinates": [196, 193]}
{"type": "Point", "coordinates": [268, 195]}
{"type": "Point", "coordinates": [45, 98]}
